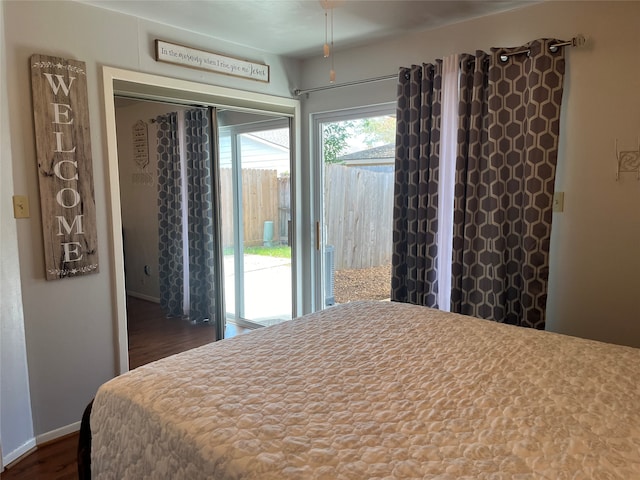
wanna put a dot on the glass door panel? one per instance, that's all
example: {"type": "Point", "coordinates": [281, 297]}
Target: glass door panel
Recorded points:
{"type": "Point", "coordinates": [358, 157]}
{"type": "Point", "coordinates": [255, 161]}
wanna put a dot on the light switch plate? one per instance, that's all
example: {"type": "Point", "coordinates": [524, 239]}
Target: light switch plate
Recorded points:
{"type": "Point", "coordinates": [558, 202]}
{"type": "Point", "coordinates": [20, 206]}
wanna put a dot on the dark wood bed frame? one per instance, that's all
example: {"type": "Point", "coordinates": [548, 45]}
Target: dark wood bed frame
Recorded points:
{"type": "Point", "coordinates": [84, 445]}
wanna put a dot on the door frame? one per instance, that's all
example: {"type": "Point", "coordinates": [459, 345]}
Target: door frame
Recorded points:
{"type": "Point", "coordinates": [317, 119]}
{"type": "Point", "coordinates": [154, 87]}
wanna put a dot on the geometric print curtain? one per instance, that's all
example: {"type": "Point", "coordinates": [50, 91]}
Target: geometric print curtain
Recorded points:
{"type": "Point", "coordinates": [415, 212]}
{"type": "Point", "coordinates": [171, 264]}
{"type": "Point", "coordinates": [186, 217]}
{"type": "Point", "coordinates": [505, 174]}
{"type": "Point", "coordinates": [200, 223]}
{"type": "Point", "coordinates": [508, 130]}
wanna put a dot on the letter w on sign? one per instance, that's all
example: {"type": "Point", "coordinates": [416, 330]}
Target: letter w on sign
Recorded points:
{"type": "Point", "coordinates": [65, 169]}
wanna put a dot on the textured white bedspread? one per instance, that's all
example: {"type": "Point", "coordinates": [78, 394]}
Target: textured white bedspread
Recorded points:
{"type": "Point", "coordinates": [373, 390]}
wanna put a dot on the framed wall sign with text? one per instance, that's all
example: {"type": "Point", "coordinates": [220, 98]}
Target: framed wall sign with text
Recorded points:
{"type": "Point", "coordinates": [65, 170]}
{"type": "Point", "coordinates": [209, 61]}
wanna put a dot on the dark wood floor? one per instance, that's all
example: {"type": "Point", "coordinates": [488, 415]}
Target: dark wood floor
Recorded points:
{"type": "Point", "coordinates": [151, 336]}
{"type": "Point", "coordinates": [54, 461]}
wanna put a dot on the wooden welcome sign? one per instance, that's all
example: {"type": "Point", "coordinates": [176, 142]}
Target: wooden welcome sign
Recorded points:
{"type": "Point", "coordinates": [65, 171]}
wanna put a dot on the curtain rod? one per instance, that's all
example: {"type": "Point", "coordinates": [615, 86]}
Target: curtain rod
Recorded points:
{"type": "Point", "coordinates": [298, 92]}
{"type": "Point", "coordinates": [577, 41]}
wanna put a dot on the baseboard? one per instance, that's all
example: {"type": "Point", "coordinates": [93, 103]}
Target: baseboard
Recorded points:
{"type": "Point", "coordinates": [142, 296]}
{"type": "Point", "coordinates": [22, 451]}
{"type": "Point", "coordinates": [57, 433]}
{"type": "Point", "coordinates": [29, 446]}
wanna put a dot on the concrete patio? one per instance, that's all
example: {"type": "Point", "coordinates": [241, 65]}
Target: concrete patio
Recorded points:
{"type": "Point", "coordinates": [267, 289]}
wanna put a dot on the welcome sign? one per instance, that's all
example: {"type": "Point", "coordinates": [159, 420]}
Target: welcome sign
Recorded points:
{"type": "Point", "coordinates": [65, 171]}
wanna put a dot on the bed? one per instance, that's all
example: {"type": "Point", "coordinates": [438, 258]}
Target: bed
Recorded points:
{"type": "Point", "coordinates": [376, 390]}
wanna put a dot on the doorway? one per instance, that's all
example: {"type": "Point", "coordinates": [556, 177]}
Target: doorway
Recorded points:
{"type": "Point", "coordinates": [150, 87]}
{"type": "Point", "coordinates": [356, 160]}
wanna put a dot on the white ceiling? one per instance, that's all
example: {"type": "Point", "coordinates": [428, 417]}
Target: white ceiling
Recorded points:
{"type": "Point", "coordinates": [296, 28]}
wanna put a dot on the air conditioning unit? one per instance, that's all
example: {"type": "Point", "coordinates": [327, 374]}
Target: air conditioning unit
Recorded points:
{"type": "Point", "coordinates": [329, 275]}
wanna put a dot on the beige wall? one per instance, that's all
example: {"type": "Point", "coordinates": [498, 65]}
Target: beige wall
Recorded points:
{"type": "Point", "coordinates": [595, 271]}
{"type": "Point", "coordinates": [70, 324]}
{"type": "Point", "coordinates": [16, 425]}
{"type": "Point", "coordinates": [139, 201]}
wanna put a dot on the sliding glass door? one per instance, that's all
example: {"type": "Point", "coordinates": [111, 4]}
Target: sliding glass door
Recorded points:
{"type": "Point", "coordinates": [356, 152]}
{"type": "Point", "coordinates": [255, 163]}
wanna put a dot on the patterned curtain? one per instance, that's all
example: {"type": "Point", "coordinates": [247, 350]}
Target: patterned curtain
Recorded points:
{"type": "Point", "coordinates": [186, 216]}
{"type": "Point", "coordinates": [200, 222]}
{"type": "Point", "coordinates": [505, 173]}
{"type": "Point", "coordinates": [171, 269]}
{"type": "Point", "coordinates": [415, 215]}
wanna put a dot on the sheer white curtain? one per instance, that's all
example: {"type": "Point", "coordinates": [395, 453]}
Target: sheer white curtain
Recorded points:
{"type": "Point", "coordinates": [448, 149]}
{"type": "Point", "coordinates": [184, 211]}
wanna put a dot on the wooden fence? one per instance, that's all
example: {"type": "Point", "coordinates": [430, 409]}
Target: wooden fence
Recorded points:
{"type": "Point", "coordinates": [260, 201]}
{"type": "Point", "coordinates": [358, 212]}
{"type": "Point", "coordinates": [358, 216]}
